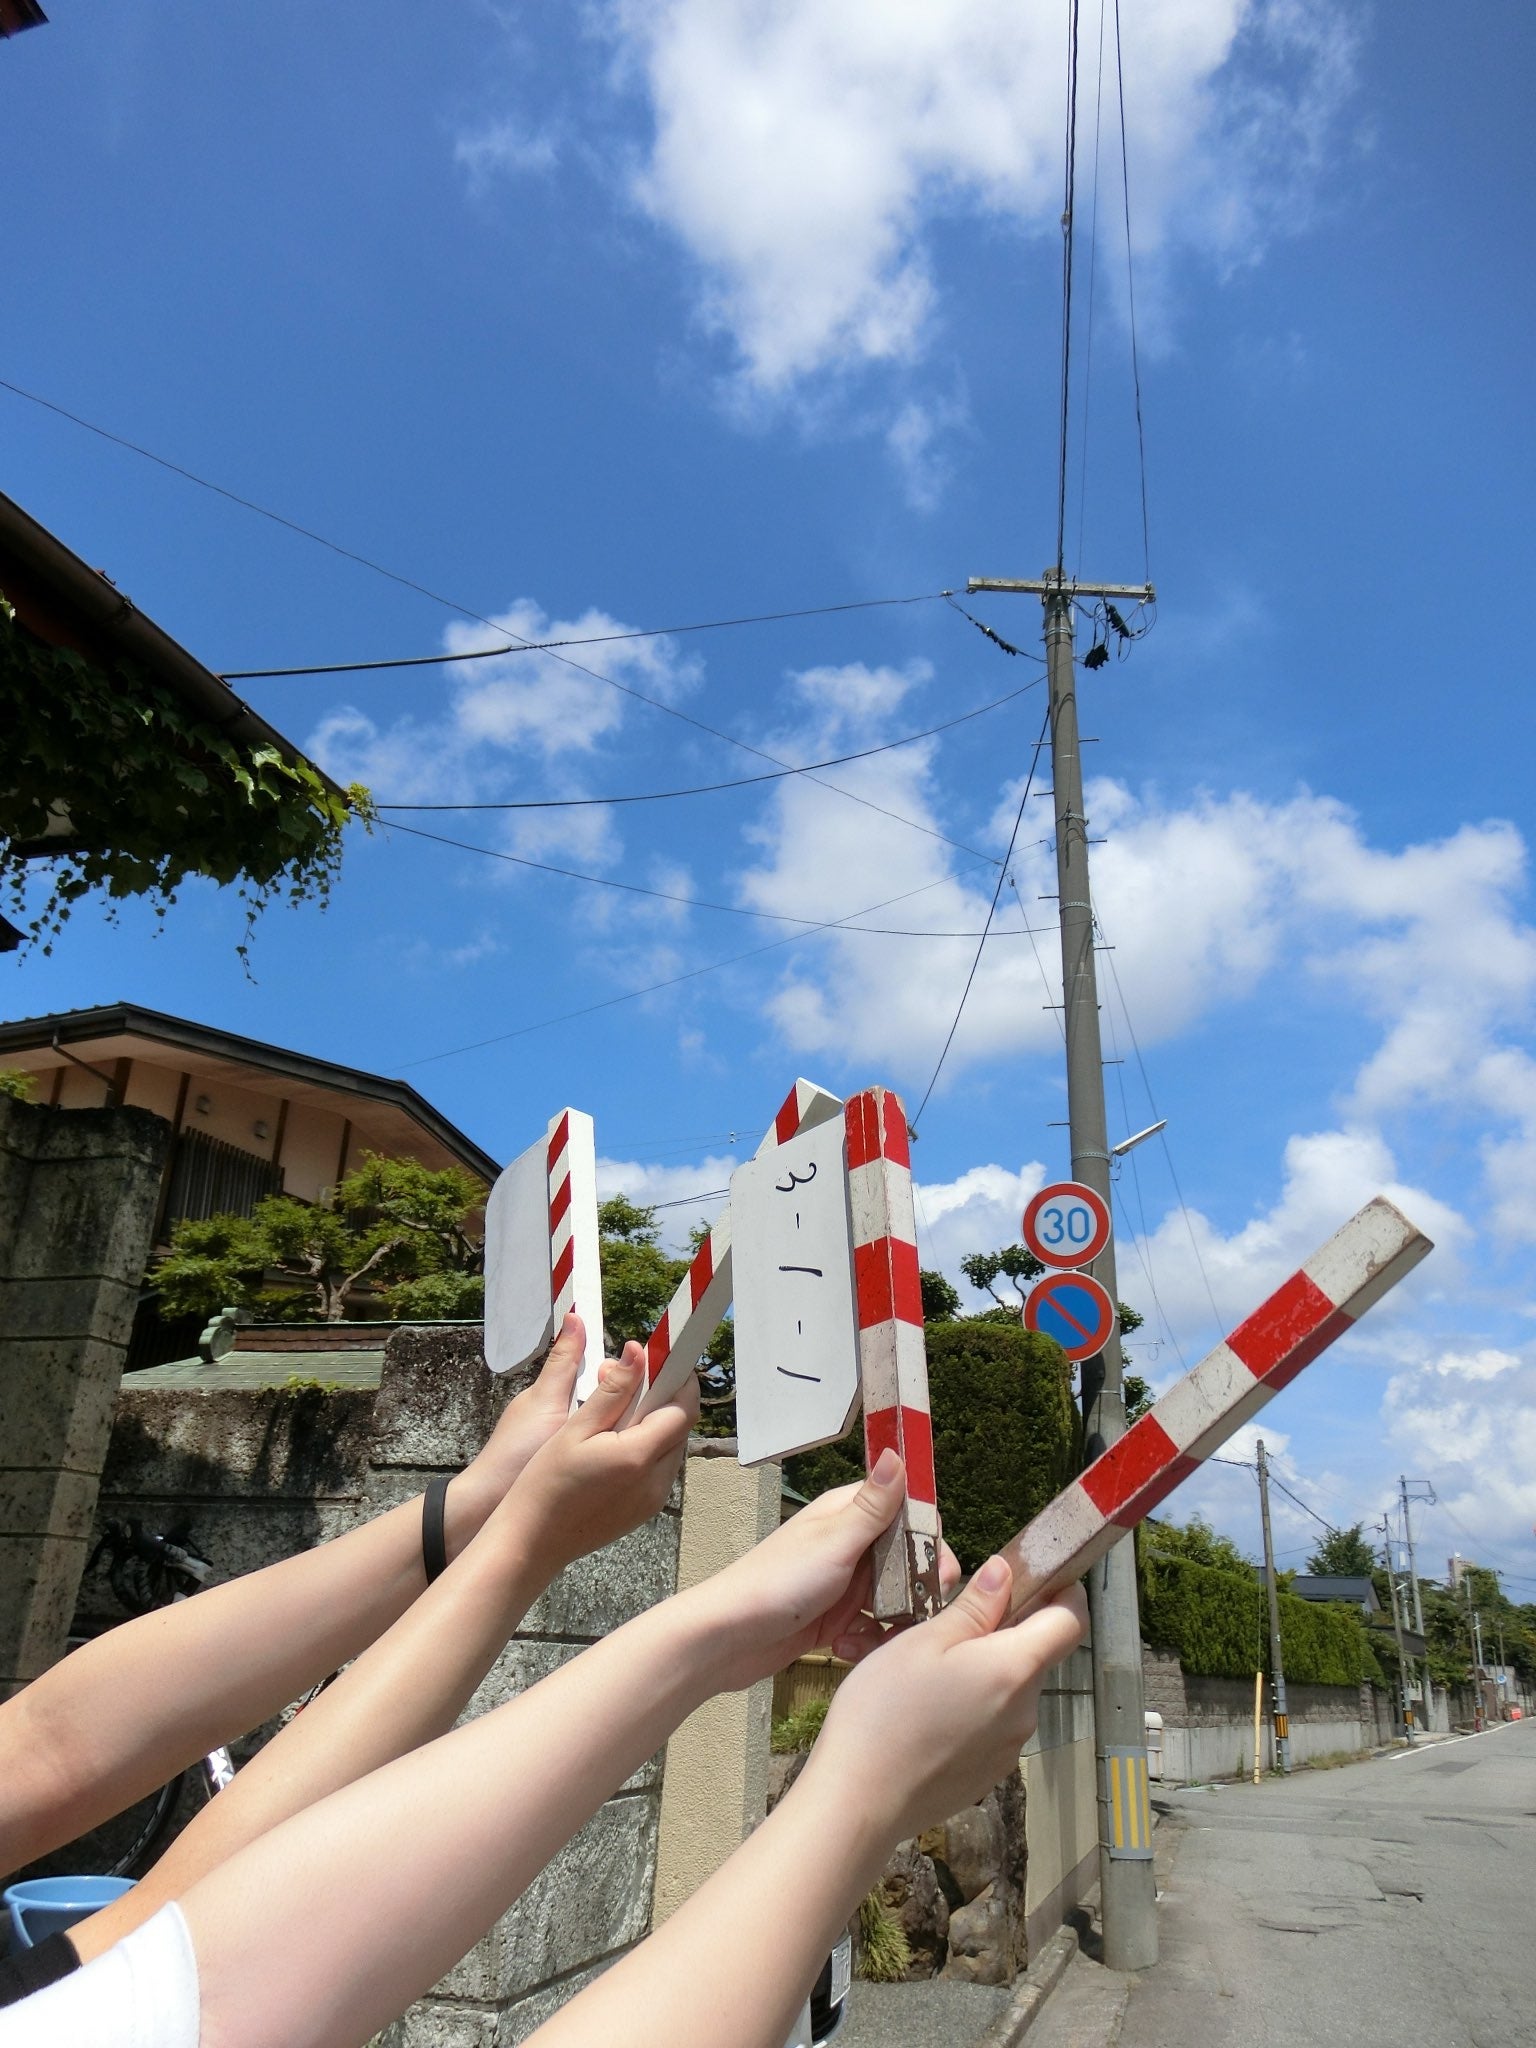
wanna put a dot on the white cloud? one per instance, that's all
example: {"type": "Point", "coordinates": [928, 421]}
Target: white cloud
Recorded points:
{"type": "Point", "coordinates": [802, 153]}
{"type": "Point", "coordinates": [646, 1184]}
{"type": "Point", "coordinates": [515, 725]}
{"type": "Point", "coordinates": [503, 148]}
{"type": "Point", "coordinates": [1471, 1424]}
{"type": "Point", "coordinates": [977, 1212]}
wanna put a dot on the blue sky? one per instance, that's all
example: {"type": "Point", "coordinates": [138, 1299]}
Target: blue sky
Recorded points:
{"type": "Point", "coordinates": [673, 310]}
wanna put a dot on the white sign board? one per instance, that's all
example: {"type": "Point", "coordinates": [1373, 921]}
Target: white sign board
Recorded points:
{"type": "Point", "coordinates": [797, 1351]}
{"type": "Point", "coordinates": [517, 1295]}
{"type": "Point", "coordinates": [541, 1250]}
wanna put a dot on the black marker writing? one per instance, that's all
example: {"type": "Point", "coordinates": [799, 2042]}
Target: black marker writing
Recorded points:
{"type": "Point", "coordinates": [802, 1269]}
{"type": "Point", "coordinates": [796, 1180]}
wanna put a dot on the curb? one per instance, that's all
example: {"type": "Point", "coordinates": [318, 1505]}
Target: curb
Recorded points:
{"type": "Point", "coordinates": [1039, 1981]}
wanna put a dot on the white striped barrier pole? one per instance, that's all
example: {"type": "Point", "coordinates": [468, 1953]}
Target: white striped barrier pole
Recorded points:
{"type": "Point", "coordinates": [703, 1295]}
{"type": "Point", "coordinates": [1354, 1269]}
{"type": "Point", "coordinates": [541, 1249]}
{"type": "Point", "coordinates": [893, 1364]}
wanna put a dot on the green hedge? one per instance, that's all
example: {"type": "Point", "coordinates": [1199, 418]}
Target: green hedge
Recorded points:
{"type": "Point", "coordinates": [1218, 1625]}
{"type": "Point", "coordinates": [1004, 1434]}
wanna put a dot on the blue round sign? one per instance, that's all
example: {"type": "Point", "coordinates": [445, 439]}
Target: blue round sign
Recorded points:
{"type": "Point", "coordinates": [1075, 1310]}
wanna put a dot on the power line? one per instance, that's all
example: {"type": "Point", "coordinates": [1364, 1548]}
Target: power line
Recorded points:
{"type": "Point", "coordinates": [654, 796]}
{"type": "Point", "coordinates": [465, 611]}
{"type": "Point", "coordinates": [345, 668]}
{"type": "Point", "coordinates": [1280, 1483]}
{"type": "Point", "coordinates": [689, 974]}
{"type": "Point", "coordinates": [545, 867]}
{"type": "Point", "coordinates": [1069, 201]}
{"type": "Point", "coordinates": [1002, 876]}
{"type": "Point", "coordinates": [1130, 292]}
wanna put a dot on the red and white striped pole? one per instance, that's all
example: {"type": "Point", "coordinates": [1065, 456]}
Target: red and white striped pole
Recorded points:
{"type": "Point", "coordinates": [703, 1295]}
{"type": "Point", "coordinates": [1318, 1304]}
{"type": "Point", "coordinates": [893, 1363]}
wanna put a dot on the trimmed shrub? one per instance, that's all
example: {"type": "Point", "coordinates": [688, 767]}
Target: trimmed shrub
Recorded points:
{"type": "Point", "coordinates": [1004, 1433]}
{"type": "Point", "coordinates": [1217, 1624]}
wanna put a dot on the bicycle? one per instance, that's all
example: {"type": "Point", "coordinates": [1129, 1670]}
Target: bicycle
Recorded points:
{"type": "Point", "coordinates": [146, 1570]}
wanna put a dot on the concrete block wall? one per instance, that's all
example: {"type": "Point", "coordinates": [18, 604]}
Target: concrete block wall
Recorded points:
{"type": "Point", "coordinates": [265, 1471]}
{"type": "Point", "coordinates": [1208, 1722]}
{"type": "Point", "coordinates": [1061, 1822]}
{"type": "Point", "coordinates": [78, 1190]}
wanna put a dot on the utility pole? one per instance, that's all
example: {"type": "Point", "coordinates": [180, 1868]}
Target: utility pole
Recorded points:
{"type": "Point", "coordinates": [1397, 1630]}
{"type": "Point", "coordinates": [1475, 1639]}
{"type": "Point", "coordinates": [1427, 1493]}
{"type": "Point", "coordinates": [1127, 1887]}
{"type": "Point", "coordinates": [1282, 1719]}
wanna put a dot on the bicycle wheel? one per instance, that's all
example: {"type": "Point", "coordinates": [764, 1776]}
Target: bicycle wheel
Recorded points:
{"type": "Point", "coordinates": [131, 1841]}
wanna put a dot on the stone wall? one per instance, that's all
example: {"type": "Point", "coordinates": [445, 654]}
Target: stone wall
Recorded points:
{"type": "Point", "coordinates": [263, 1472]}
{"type": "Point", "coordinates": [1208, 1722]}
{"type": "Point", "coordinates": [78, 1190]}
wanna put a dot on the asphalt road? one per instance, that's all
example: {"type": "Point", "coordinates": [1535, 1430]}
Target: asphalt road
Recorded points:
{"type": "Point", "coordinates": [1390, 1904]}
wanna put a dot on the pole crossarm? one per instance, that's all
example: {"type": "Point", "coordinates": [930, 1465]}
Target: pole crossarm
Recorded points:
{"type": "Point", "coordinates": [1059, 586]}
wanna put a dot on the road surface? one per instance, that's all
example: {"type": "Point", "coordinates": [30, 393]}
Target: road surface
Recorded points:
{"type": "Point", "coordinates": [1390, 1904]}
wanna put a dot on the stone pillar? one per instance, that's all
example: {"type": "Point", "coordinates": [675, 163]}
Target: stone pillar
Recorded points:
{"type": "Point", "coordinates": [717, 1763]}
{"type": "Point", "coordinates": [78, 1189]}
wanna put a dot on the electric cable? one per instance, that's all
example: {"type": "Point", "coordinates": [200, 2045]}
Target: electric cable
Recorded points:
{"type": "Point", "coordinates": [1194, 1244]}
{"type": "Point", "coordinates": [1130, 293]}
{"type": "Point", "coordinates": [689, 974]}
{"type": "Point", "coordinates": [410, 583]}
{"type": "Point", "coordinates": [347, 668]}
{"type": "Point", "coordinates": [545, 867]}
{"type": "Point", "coordinates": [1069, 201]}
{"type": "Point", "coordinates": [656, 796]}
{"type": "Point", "coordinates": [1093, 282]}
{"type": "Point", "coordinates": [1002, 876]}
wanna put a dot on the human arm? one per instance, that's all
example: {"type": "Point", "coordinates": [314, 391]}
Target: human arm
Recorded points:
{"type": "Point", "coordinates": [126, 1712]}
{"type": "Point", "coordinates": [371, 1895]}
{"type": "Point", "coordinates": [584, 1488]}
{"type": "Point", "coordinates": [924, 1727]}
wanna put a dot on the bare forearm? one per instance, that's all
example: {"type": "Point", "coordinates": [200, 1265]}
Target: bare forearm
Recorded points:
{"type": "Point", "coordinates": [775, 1909]}
{"type": "Point", "coordinates": [405, 1690]}
{"type": "Point", "coordinates": [128, 1711]}
{"type": "Point", "coordinates": [371, 1895]}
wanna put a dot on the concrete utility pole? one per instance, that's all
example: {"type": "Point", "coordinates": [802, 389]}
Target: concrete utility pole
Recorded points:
{"type": "Point", "coordinates": [1426, 1493]}
{"type": "Point", "coordinates": [1127, 1888]}
{"type": "Point", "coordinates": [1397, 1630]}
{"type": "Point", "coordinates": [1282, 1719]}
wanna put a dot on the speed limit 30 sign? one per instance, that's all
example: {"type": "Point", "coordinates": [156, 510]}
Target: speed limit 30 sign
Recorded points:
{"type": "Point", "coordinates": [1066, 1224]}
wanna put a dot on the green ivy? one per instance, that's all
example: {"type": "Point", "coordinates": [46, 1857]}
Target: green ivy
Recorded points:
{"type": "Point", "coordinates": [1217, 1622]}
{"type": "Point", "coordinates": [154, 793]}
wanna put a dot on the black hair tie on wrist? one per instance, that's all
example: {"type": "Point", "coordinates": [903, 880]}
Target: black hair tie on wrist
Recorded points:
{"type": "Point", "coordinates": [434, 1545]}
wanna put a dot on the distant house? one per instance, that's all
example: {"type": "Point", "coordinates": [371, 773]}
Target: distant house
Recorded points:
{"type": "Point", "coordinates": [1359, 1592]}
{"type": "Point", "coordinates": [249, 1119]}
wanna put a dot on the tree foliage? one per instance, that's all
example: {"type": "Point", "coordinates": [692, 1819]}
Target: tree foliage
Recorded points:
{"type": "Point", "coordinates": [1216, 1618]}
{"type": "Point", "coordinates": [1344, 1553]}
{"type": "Point", "coordinates": [941, 1299]}
{"type": "Point", "coordinates": [639, 1279]}
{"type": "Point", "coordinates": [1005, 1433]}
{"type": "Point", "coordinates": [17, 1083]}
{"type": "Point", "coordinates": [391, 1224]}
{"type": "Point", "coordinates": [153, 793]}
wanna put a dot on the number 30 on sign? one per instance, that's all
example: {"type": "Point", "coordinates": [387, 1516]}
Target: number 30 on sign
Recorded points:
{"type": "Point", "coordinates": [1066, 1224]}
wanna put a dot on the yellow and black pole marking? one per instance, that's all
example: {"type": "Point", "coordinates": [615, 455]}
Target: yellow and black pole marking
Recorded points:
{"type": "Point", "coordinates": [1282, 1727]}
{"type": "Point", "coordinates": [1130, 1804]}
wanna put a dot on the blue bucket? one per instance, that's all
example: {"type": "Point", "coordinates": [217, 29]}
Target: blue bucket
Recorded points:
{"type": "Point", "coordinates": [47, 1905]}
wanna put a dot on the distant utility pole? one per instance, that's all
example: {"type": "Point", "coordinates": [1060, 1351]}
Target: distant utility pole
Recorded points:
{"type": "Point", "coordinates": [1397, 1630]}
{"type": "Point", "coordinates": [1424, 1492]}
{"type": "Point", "coordinates": [1475, 1638]}
{"type": "Point", "coordinates": [1127, 1888]}
{"type": "Point", "coordinates": [1282, 1719]}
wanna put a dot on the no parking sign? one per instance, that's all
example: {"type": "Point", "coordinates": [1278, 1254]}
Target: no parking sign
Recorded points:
{"type": "Point", "coordinates": [1075, 1310]}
